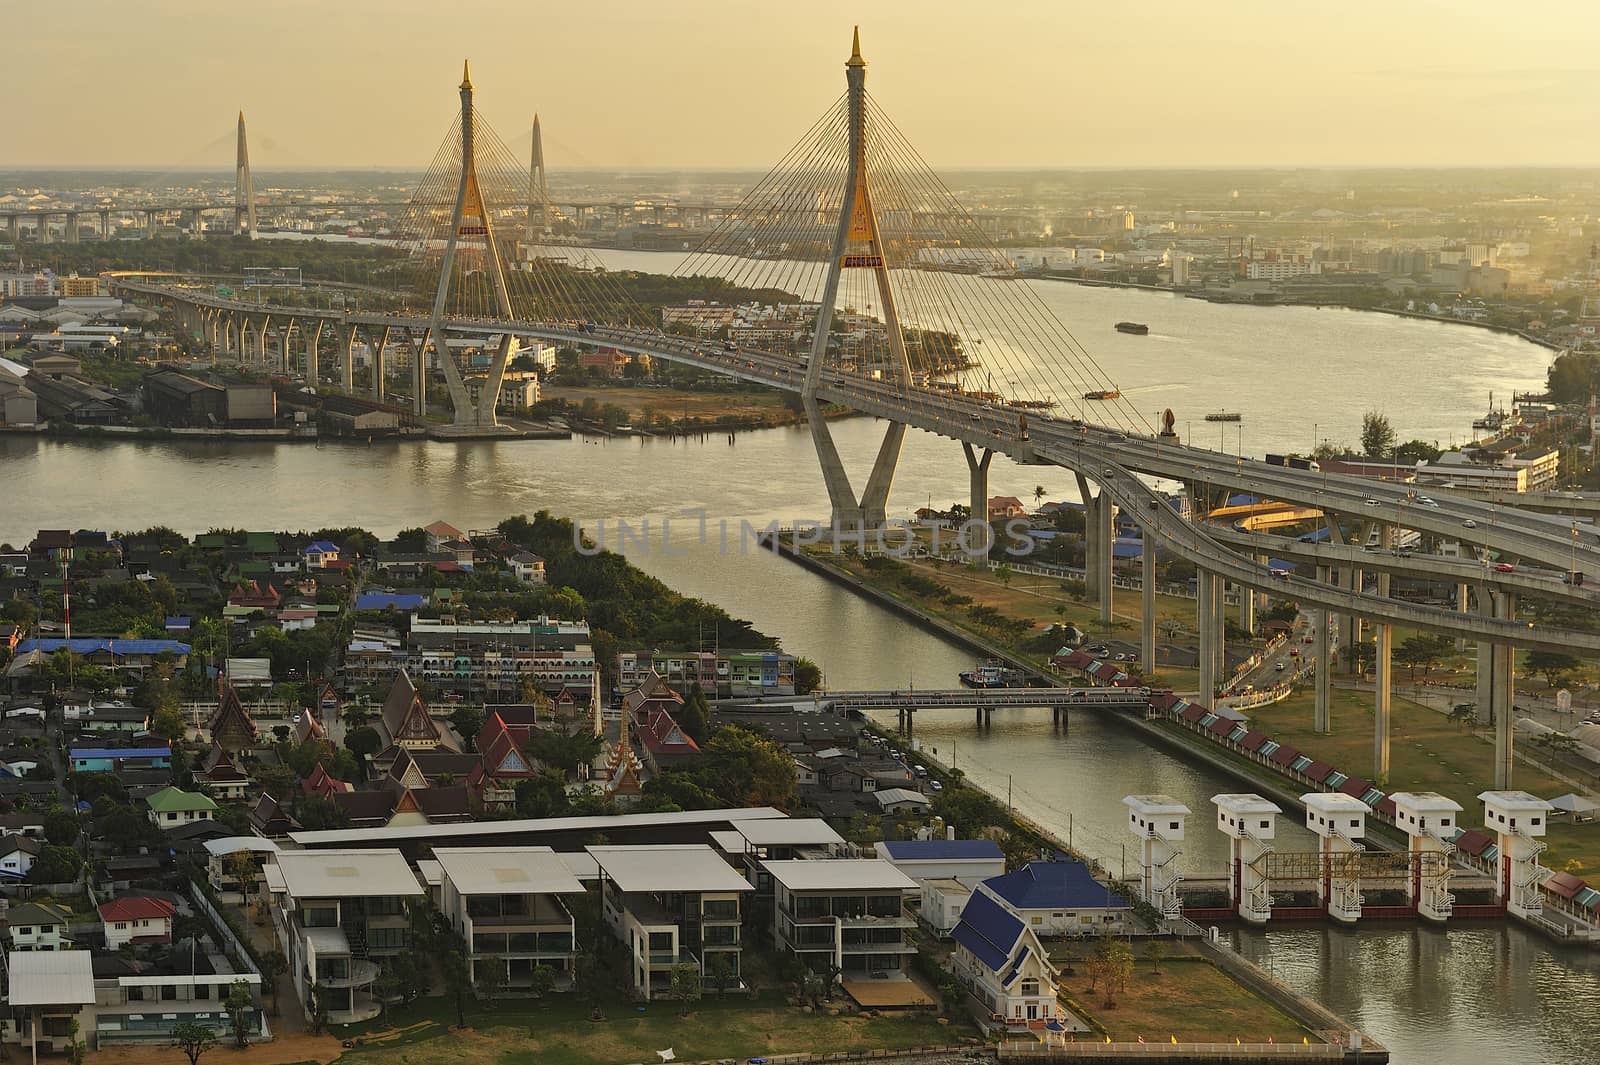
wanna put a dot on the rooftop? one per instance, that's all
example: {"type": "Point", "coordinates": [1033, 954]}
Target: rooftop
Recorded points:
{"type": "Point", "coordinates": [1154, 804]}
{"type": "Point", "coordinates": [51, 978]}
{"type": "Point", "coordinates": [839, 874]}
{"type": "Point", "coordinates": [176, 800]}
{"type": "Point", "coordinates": [902, 850]}
{"type": "Point", "coordinates": [1425, 801]}
{"type": "Point", "coordinates": [1334, 802]}
{"type": "Point", "coordinates": [507, 871]}
{"type": "Point", "coordinates": [595, 823]}
{"type": "Point", "coordinates": [346, 874]}
{"type": "Point", "coordinates": [689, 867]}
{"type": "Point", "coordinates": [789, 832]}
{"type": "Point", "coordinates": [1515, 800]}
{"type": "Point", "coordinates": [1247, 803]}
{"type": "Point", "coordinates": [1054, 886]}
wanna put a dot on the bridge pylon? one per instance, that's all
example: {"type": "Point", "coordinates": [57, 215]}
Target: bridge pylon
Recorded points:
{"type": "Point", "coordinates": [857, 245]}
{"type": "Point", "coordinates": [244, 188]}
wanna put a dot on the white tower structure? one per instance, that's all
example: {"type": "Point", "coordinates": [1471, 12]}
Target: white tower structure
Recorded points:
{"type": "Point", "coordinates": [1158, 822]}
{"type": "Point", "coordinates": [1518, 819]}
{"type": "Point", "coordinates": [1429, 820]}
{"type": "Point", "coordinates": [1251, 823]}
{"type": "Point", "coordinates": [1340, 822]}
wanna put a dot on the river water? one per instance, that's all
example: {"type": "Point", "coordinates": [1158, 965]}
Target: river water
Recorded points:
{"type": "Point", "coordinates": [1437, 997]}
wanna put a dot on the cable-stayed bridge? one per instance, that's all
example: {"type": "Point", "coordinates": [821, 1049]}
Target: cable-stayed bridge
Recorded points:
{"type": "Point", "coordinates": [894, 303]}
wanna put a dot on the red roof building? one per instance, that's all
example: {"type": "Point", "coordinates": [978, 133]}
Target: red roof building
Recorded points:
{"type": "Point", "coordinates": [137, 919]}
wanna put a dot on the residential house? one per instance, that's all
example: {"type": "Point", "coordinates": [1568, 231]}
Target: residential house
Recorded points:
{"type": "Point", "coordinates": [1060, 898]}
{"type": "Point", "coordinates": [49, 996]}
{"type": "Point", "coordinates": [38, 926]}
{"type": "Point", "coordinates": [970, 861]}
{"type": "Point", "coordinates": [16, 856]}
{"type": "Point", "coordinates": [1001, 963]}
{"type": "Point", "coordinates": [137, 919]}
{"type": "Point", "coordinates": [116, 759]}
{"type": "Point", "coordinates": [843, 913]}
{"type": "Point", "coordinates": [505, 903]}
{"type": "Point", "coordinates": [222, 863]}
{"type": "Point", "coordinates": [171, 807]}
{"type": "Point", "coordinates": [901, 801]}
{"type": "Point", "coordinates": [528, 567]}
{"type": "Point", "coordinates": [671, 905]}
{"type": "Point", "coordinates": [336, 913]}
{"type": "Point", "coordinates": [1004, 508]}
{"type": "Point", "coordinates": [319, 553]}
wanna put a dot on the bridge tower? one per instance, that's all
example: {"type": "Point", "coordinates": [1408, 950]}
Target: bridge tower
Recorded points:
{"type": "Point", "coordinates": [470, 218]}
{"type": "Point", "coordinates": [244, 187]}
{"type": "Point", "coordinates": [857, 245]}
{"type": "Point", "coordinates": [538, 190]}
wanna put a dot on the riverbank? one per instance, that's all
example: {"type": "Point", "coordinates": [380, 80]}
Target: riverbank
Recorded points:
{"type": "Point", "coordinates": [1202, 294]}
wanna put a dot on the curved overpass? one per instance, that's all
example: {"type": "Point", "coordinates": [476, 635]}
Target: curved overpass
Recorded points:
{"type": "Point", "coordinates": [1107, 456]}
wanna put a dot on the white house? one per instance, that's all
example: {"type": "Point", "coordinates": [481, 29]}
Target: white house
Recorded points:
{"type": "Point", "coordinates": [505, 903]}
{"type": "Point", "coordinates": [38, 926]}
{"type": "Point", "coordinates": [1059, 899]}
{"type": "Point", "coordinates": [844, 913]}
{"type": "Point", "coordinates": [528, 567]}
{"type": "Point", "coordinates": [137, 919]}
{"type": "Point", "coordinates": [943, 899]}
{"type": "Point", "coordinates": [902, 800]}
{"type": "Point", "coordinates": [970, 861]}
{"type": "Point", "coordinates": [1001, 963]}
{"type": "Point", "coordinates": [16, 856]}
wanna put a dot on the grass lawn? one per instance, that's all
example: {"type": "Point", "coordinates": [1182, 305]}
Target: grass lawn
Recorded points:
{"type": "Point", "coordinates": [517, 1032]}
{"type": "Point", "coordinates": [1189, 998]}
{"type": "Point", "coordinates": [1426, 753]}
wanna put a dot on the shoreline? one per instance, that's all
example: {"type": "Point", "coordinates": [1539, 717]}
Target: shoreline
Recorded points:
{"type": "Point", "coordinates": [1200, 294]}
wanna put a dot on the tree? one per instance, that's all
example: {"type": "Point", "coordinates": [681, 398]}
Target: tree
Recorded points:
{"type": "Point", "coordinates": [1377, 435]}
{"type": "Point", "coordinates": [541, 981]}
{"type": "Point", "coordinates": [452, 955]}
{"type": "Point", "coordinates": [61, 827]}
{"type": "Point", "coordinates": [491, 973]}
{"type": "Point", "coordinates": [363, 742]}
{"type": "Point", "coordinates": [807, 676]}
{"type": "Point", "coordinates": [748, 769]}
{"type": "Point", "coordinates": [1111, 966]}
{"type": "Point", "coordinates": [1414, 451]}
{"type": "Point", "coordinates": [273, 967]}
{"type": "Point", "coordinates": [694, 717]}
{"type": "Point", "coordinates": [719, 971]}
{"type": "Point", "coordinates": [1038, 493]}
{"type": "Point", "coordinates": [193, 1039]}
{"type": "Point", "coordinates": [55, 865]}
{"type": "Point", "coordinates": [167, 723]}
{"type": "Point", "coordinates": [77, 1049]}
{"type": "Point", "coordinates": [1018, 850]}
{"type": "Point", "coordinates": [239, 1003]}
{"type": "Point", "coordinates": [319, 1008]}
{"type": "Point", "coordinates": [968, 809]}
{"type": "Point", "coordinates": [1552, 665]}
{"type": "Point", "coordinates": [685, 986]}
{"type": "Point", "coordinates": [1154, 953]}
{"type": "Point", "coordinates": [468, 722]}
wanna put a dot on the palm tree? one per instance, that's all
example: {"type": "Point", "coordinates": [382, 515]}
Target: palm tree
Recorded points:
{"type": "Point", "coordinates": [1038, 493]}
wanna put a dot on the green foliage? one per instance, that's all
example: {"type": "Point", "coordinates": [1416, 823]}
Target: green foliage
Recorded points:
{"type": "Point", "coordinates": [239, 1003]}
{"type": "Point", "coordinates": [694, 716]}
{"type": "Point", "coordinates": [61, 827]}
{"type": "Point", "coordinates": [55, 865]}
{"type": "Point", "coordinates": [467, 720]}
{"type": "Point", "coordinates": [1552, 665]}
{"type": "Point", "coordinates": [315, 813]}
{"type": "Point", "coordinates": [971, 811]}
{"type": "Point", "coordinates": [807, 676]}
{"type": "Point", "coordinates": [685, 986]}
{"type": "Point", "coordinates": [561, 750]}
{"type": "Point", "coordinates": [1377, 435]}
{"type": "Point", "coordinates": [1571, 376]}
{"type": "Point", "coordinates": [193, 1039]}
{"type": "Point", "coordinates": [363, 741]}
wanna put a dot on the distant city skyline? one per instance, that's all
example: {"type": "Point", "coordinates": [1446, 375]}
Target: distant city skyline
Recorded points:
{"type": "Point", "coordinates": [720, 85]}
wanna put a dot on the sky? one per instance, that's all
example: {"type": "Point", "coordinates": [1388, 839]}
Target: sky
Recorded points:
{"type": "Point", "coordinates": [723, 84]}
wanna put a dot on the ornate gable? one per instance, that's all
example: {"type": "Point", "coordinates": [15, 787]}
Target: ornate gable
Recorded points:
{"type": "Point", "coordinates": [232, 727]}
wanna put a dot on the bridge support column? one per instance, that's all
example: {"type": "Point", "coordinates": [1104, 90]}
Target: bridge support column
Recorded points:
{"type": "Point", "coordinates": [1091, 557]}
{"type": "Point", "coordinates": [1105, 538]}
{"type": "Point", "coordinates": [13, 229]}
{"type": "Point", "coordinates": [347, 359]}
{"type": "Point", "coordinates": [379, 363]}
{"type": "Point", "coordinates": [72, 227]}
{"type": "Point", "coordinates": [1322, 715]}
{"type": "Point", "coordinates": [977, 536]}
{"type": "Point", "coordinates": [313, 356]}
{"type": "Point", "coordinates": [149, 224]}
{"type": "Point", "coordinates": [213, 321]}
{"type": "Point", "coordinates": [1206, 616]}
{"type": "Point", "coordinates": [1147, 598]}
{"type": "Point", "coordinates": [1461, 608]}
{"type": "Point", "coordinates": [1247, 602]}
{"type": "Point", "coordinates": [105, 225]}
{"type": "Point", "coordinates": [419, 375]}
{"type": "Point", "coordinates": [1383, 688]}
{"type": "Point", "coordinates": [44, 229]}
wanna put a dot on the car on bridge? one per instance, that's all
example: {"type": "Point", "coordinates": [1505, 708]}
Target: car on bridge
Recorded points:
{"type": "Point", "coordinates": [1505, 567]}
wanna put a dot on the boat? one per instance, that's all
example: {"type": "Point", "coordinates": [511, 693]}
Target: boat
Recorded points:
{"type": "Point", "coordinates": [992, 674]}
{"type": "Point", "coordinates": [1138, 329]}
{"type": "Point", "coordinates": [1493, 421]}
{"type": "Point", "coordinates": [1223, 416]}
{"type": "Point", "coordinates": [1103, 393]}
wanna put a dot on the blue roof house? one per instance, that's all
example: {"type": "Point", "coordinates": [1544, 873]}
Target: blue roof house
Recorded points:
{"type": "Point", "coordinates": [1004, 968]}
{"type": "Point", "coordinates": [1060, 898]}
{"type": "Point", "coordinates": [319, 553]}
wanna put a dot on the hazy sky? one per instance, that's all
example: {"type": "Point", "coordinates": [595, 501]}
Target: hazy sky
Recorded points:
{"type": "Point", "coordinates": [685, 83]}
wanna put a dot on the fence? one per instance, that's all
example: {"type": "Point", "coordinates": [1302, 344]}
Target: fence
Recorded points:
{"type": "Point", "coordinates": [1221, 1052]}
{"type": "Point", "coordinates": [239, 951]}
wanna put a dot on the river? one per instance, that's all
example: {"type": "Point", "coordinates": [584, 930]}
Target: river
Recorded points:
{"type": "Point", "coordinates": [1435, 997]}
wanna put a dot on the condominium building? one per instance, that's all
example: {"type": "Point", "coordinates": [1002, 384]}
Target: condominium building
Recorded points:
{"type": "Point", "coordinates": [843, 913]}
{"type": "Point", "coordinates": [336, 912]}
{"type": "Point", "coordinates": [722, 674]}
{"type": "Point", "coordinates": [506, 903]}
{"type": "Point", "coordinates": [671, 906]}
